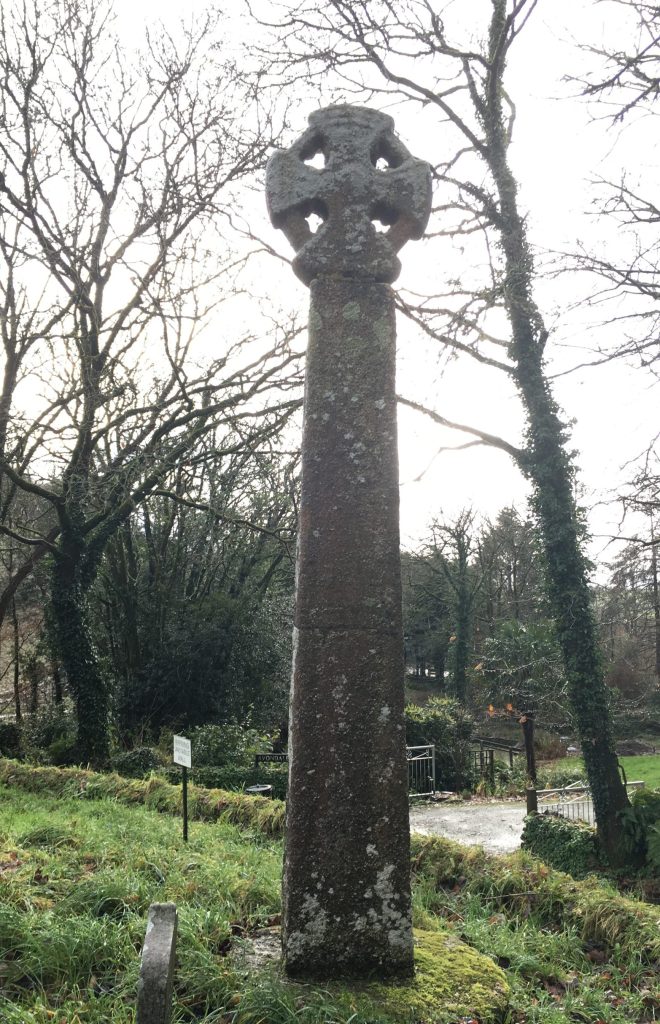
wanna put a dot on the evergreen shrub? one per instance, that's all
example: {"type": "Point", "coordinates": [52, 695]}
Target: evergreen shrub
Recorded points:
{"type": "Point", "coordinates": [235, 778]}
{"type": "Point", "coordinates": [10, 739]}
{"type": "Point", "coordinates": [137, 763]}
{"type": "Point", "coordinates": [642, 826]}
{"type": "Point", "coordinates": [216, 745]}
{"type": "Point", "coordinates": [49, 735]}
{"type": "Point", "coordinates": [444, 722]}
{"type": "Point", "coordinates": [570, 846]}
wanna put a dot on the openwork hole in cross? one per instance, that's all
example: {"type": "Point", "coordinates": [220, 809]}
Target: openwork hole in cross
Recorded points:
{"type": "Point", "coordinates": [383, 216]}
{"type": "Point", "coordinates": [315, 213]}
{"type": "Point", "coordinates": [313, 153]}
{"type": "Point", "coordinates": [386, 154]}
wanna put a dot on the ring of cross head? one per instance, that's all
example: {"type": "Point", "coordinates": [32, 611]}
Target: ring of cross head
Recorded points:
{"type": "Point", "coordinates": [368, 195]}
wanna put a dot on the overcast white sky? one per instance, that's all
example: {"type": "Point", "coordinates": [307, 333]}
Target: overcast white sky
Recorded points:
{"type": "Point", "coordinates": [559, 148]}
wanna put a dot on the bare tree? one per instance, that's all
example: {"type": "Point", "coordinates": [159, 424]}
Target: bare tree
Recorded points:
{"type": "Point", "coordinates": [117, 171]}
{"type": "Point", "coordinates": [623, 85]}
{"type": "Point", "coordinates": [641, 499]}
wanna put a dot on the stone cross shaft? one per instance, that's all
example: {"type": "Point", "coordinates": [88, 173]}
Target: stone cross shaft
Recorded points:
{"type": "Point", "coordinates": [347, 859]}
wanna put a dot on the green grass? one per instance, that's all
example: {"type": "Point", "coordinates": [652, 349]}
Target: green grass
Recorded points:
{"type": "Point", "coordinates": [75, 884]}
{"type": "Point", "coordinates": [645, 768]}
{"type": "Point", "coordinates": [77, 877]}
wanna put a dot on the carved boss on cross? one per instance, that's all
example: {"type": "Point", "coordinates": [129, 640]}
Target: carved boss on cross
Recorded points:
{"type": "Point", "coordinates": [369, 176]}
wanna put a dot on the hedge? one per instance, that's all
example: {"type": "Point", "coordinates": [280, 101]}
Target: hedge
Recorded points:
{"type": "Point", "coordinates": [570, 846]}
{"type": "Point", "coordinates": [233, 777]}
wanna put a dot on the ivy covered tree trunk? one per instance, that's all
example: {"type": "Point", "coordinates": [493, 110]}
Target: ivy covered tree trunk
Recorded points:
{"type": "Point", "coordinates": [656, 602]}
{"type": "Point", "coordinates": [77, 652]}
{"type": "Point", "coordinates": [549, 468]}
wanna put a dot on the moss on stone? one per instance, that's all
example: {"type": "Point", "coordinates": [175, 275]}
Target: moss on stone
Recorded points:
{"type": "Point", "coordinates": [452, 981]}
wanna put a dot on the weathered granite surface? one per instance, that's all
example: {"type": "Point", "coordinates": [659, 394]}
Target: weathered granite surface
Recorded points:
{"type": "Point", "coordinates": [347, 886]}
{"type": "Point", "coordinates": [346, 871]}
{"type": "Point", "coordinates": [349, 193]}
{"type": "Point", "coordinates": [154, 994]}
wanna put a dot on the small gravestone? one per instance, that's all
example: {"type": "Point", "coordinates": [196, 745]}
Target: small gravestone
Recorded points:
{"type": "Point", "coordinates": [346, 894]}
{"type": "Point", "coordinates": [154, 994]}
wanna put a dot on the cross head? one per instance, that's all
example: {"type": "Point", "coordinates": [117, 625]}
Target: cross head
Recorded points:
{"type": "Point", "coordinates": [350, 173]}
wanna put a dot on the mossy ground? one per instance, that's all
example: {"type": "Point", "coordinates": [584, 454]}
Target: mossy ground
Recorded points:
{"type": "Point", "coordinates": [452, 981]}
{"type": "Point", "coordinates": [77, 876]}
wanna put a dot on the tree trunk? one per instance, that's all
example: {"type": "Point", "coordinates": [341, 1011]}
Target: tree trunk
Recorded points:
{"type": "Point", "coordinates": [551, 475]}
{"type": "Point", "coordinates": [439, 662]}
{"type": "Point", "coordinates": [527, 722]}
{"type": "Point", "coordinates": [33, 677]}
{"type": "Point", "coordinates": [122, 629]}
{"type": "Point", "coordinates": [78, 655]}
{"type": "Point", "coordinates": [463, 626]}
{"type": "Point", "coordinates": [17, 673]}
{"type": "Point", "coordinates": [548, 466]}
{"type": "Point", "coordinates": [58, 694]}
{"type": "Point", "coordinates": [656, 603]}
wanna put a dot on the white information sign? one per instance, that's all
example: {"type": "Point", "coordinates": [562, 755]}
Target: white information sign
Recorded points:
{"type": "Point", "coordinates": [182, 752]}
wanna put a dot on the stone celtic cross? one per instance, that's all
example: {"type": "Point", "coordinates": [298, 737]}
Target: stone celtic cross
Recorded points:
{"type": "Point", "coordinates": [349, 194]}
{"type": "Point", "coordinates": [347, 860]}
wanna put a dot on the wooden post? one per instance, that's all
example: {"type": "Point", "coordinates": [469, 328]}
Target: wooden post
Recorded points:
{"type": "Point", "coordinates": [527, 722]}
{"type": "Point", "coordinates": [185, 803]}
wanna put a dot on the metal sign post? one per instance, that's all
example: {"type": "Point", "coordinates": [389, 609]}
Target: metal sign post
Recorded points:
{"type": "Point", "coordinates": [183, 756]}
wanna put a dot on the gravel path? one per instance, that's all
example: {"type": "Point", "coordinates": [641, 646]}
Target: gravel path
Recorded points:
{"type": "Point", "coordinates": [496, 827]}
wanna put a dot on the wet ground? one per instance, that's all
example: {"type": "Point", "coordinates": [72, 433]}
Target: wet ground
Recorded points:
{"type": "Point", "coordinates": [496, 827]}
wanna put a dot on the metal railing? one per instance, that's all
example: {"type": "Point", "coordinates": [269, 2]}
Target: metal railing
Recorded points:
{"type": "Point", "coordinates": [483, 764]}
{"type": "Point", "coordinates": [574, 801]}
{"type": "Point", "coordinates": [421, 770]}
{"type": "Point", "coordinates": [486, 743]}
{"type": "Point", "coordinates": [420, 760]}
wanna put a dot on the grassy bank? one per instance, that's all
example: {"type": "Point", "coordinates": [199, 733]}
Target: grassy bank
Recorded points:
{"type": "Point", "coordinates": [154, 793]}
{"type": "Point", "coordinates": [644, 767]}
{"type": "Point", "coordinates": [77, 876]}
